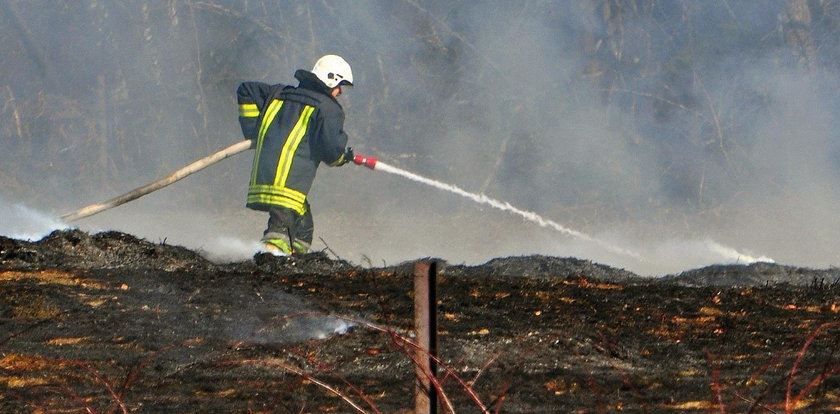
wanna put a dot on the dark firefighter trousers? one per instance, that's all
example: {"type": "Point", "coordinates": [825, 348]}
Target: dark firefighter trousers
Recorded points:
{"type": "Point", "coordinates": [284, 223]}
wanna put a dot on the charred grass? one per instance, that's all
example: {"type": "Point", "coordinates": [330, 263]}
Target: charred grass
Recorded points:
{"type": "Point", "coordinates": [109, 323]}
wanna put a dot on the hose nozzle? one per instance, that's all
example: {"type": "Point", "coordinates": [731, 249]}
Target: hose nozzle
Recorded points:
{"type": "Point", "coordinates": [369, 162]}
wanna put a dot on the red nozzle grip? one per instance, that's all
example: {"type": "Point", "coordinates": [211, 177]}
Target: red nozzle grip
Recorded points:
{"type": "Point", "coordinates": [369, 162]}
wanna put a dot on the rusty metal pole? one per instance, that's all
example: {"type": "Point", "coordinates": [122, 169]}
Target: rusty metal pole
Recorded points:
{"type": "Point", "coordinates": [425, 326]}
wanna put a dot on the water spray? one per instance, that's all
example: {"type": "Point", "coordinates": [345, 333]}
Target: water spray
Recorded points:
{"type": "Point", "coordinates": [375, 164]}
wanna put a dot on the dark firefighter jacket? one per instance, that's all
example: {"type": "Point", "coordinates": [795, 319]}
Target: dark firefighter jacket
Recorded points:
{"type": "Point", "coordinates": [294, 129]}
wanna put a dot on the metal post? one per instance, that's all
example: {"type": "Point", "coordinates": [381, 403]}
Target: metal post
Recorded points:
{"type": "Point", "coordinates": [425, 326]}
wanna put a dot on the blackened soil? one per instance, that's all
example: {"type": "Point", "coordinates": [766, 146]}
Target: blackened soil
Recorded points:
{"type": "Point", "coordinates": [109, 323]}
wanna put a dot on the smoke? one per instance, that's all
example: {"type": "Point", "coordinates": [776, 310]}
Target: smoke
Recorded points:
{"type": "Point", "coordinates": [230, 249]}
{"type": "Point", "coordinates": [24, 223]}
{"type": "Point", "coordinates": [748, 159]}
{"type": "Point", "coordinates": [692, 254]}
{"type": "Point", "coordinates": [789, 204]}
{"type": "Point", "coordinates": [690, 132]}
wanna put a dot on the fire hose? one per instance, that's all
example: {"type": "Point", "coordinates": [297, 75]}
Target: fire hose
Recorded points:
{"type": "Point", "coordinates": [369, 162]}
{"type": "Point", "coordinates": [177, 176]}
{"type": "Point", "coordinates": [157, 185]}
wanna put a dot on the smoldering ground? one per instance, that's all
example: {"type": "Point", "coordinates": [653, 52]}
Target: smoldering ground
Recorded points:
{"type": "Point", "coordinates": [96, 322]}
{"type": "Point", "coordinates": [658, 127]}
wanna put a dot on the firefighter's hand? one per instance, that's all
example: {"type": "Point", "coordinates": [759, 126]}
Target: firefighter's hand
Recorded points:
{"type": "Point", "coordinates": [348, 156]}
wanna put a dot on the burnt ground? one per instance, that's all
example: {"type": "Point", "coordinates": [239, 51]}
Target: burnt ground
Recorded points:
{"type": "Point", "coordinates": [110, 323]}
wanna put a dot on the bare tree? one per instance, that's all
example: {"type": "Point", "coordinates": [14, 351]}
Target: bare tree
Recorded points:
{"type": "Point", "coordinates": [798, 33]}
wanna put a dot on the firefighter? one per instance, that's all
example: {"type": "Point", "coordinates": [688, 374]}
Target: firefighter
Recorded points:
{"type": "Point", "coordinates": [294, 130]}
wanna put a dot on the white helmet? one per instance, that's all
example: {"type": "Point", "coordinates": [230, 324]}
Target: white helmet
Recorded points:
{"type": "Point", "coordinates": [333, 70]}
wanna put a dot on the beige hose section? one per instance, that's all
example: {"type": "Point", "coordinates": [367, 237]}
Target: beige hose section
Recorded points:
{"type": "Point", "coordinates": [157, 185]}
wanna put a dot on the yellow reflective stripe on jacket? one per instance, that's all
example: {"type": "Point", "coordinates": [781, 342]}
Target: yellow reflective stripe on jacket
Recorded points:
{"type": "Point", "coordinates": [270, 113]}
{"type": "Point", "coordinates": [284, 164]}
{"type": "Point", "coordinates": [274, 195]}
{"type": "Point", "coordinates": [249, 110]}
{"type": "Point", "coordinates": [278, 191]}
{"type": "Point", "coordinates": [276, 201]}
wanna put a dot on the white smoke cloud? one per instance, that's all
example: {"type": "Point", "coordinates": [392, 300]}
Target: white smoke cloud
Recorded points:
{"type": "Point", "coordinates": [24, 223]}
{"type": "Point", "coordinates": [499, 100]}
{"type": "Point", "coordinates": [231, 249]}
